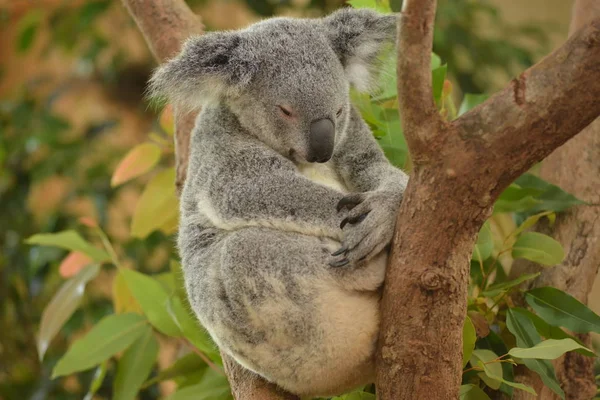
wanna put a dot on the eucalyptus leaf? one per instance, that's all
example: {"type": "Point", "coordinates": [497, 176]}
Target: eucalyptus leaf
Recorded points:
{"type": "Point", "coordinates": [111, 335]}
{"type": "Point", "coordinates": [135, 366]}
{"type": "Point", "coordinates": [472, 392]}
{"type": "Point", "coordinates": [527, 336]}
{"type": "Point", "coordinates": [484, 245]}
{"type": "Point", "coordinates": [153, 299]}
{"type": "Point", "coordinates": [486, 359]}
{"type": "Point", "coordinates": [213, 386]}
{"type": "Point", "coordinates": [560, 309]}
{"type": "Point", "coordinates": [549, 349]}
{"type": "Point", "coordinates": [97, 380]}
{"type": "Point", "coordinates": [469, 339]}
{"type": "Point", "coordinates": [190, 363]}
{"type": "Point", "coordinates": [62, 306]}
{"type": "Point", "coordinates": [495, 290]}
{"type": "Point", "coordinates": [69, 240]}
{"type": "Point", "coordinates": [539, 248]}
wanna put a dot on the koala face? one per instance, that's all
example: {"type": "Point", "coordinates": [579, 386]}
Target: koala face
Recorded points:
{"type": "Point", "coordinates": [287, 80]}
{"type": "Point", "coordinates": [298, 96]}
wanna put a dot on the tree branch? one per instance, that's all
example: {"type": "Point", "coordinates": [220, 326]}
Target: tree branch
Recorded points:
{"type": "Point", "coordinates": [460, 169]}
{"type": "Point", "coordinates": [415, 41]}
{"type": "Point", "coordinates": [578, 230]}
{"type": "Point", "coordinates": [165, 24]}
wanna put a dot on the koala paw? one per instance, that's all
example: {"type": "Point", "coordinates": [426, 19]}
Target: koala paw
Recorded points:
{"type": "Point", "coordinates": [368, 227]}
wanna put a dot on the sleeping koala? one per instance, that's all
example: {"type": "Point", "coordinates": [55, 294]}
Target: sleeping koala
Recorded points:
{"type": "Point", "coordinates": [289, 204]}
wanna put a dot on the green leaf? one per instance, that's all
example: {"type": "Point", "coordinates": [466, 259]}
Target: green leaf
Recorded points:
{"type": "Point", "coordinates": [470, 101]}
{"type": "Point", "coordinates": [549, 349]}
{"type": "Point", "coordinates": [212, 386]}
{"type": "Point", "coordinates": [485, 245]}
{"type": "Point", "coordinates": [438, 76]}
{"type": "Point", "coordinates": [397, 156]}
{"type": "Point", "coordinates": [560, 309]}
{"type": "Point", "coordinates": [109, 336]}
{"type": "Point", "coordinates": [527, 336]}
{"type": "Point", "coordinates": [62, 306]}
{"type": "Point", "coordinates": [495, 290]}
{"type": "Point", "coordinates": [28, 29]}
{"type": "Point", "coordinates": [69, 240]}
{"type": "Point", "coordinates": [157, 208]}
{"type": "Point", "coordinates": [472, 392]}
{"type": "Point", "coordinates": [479, 358]}
{"type": "Point", "coordinates": [187, 364]}
{"type": "Point", "coordinates": [436, 61]}
{"type": "Point", "coordinates": [538, 248]}
{"type": "Point", "coordinates": [493, 342]}
{"type": "Point", "coordinates": [153, 299]}
{"type": "Point", "coordinates": [551, 197]}
{"type": "Point", "coordinates": [192, 330]}
{"type": "Point", "coordinates": [546, 330]}
{"type": "Point", "coordinates": [383, 6]}
{"type": "Point", "coordinates": [491, 373]}
{"type": "Point", "coordinates": [135, 366]}
{"type": "Point", "coordinates": [515, 198]}
{"type": "Point", "coordinates": [97, 380]}
{"type": "Point", "coordinates": [356, 396]}
{"type": "Point", "coordinates": [469, 339]}
{"type": "Point", "coordinates": [531, 221]}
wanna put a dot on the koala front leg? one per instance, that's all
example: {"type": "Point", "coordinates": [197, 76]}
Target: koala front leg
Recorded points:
{"type": "Point", "coordinates": [278, 198]}
{"type": "Point", "coordinates": [377, 187]}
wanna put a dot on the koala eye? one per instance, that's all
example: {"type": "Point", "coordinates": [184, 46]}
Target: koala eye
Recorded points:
{"type": "Point", "coordinates": [339, 112]}
{"type": "Point", "coordinates": [285, 111]}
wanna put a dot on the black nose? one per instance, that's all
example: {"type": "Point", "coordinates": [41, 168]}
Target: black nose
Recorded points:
{"type": "Point", "coordinates": [320, 143]}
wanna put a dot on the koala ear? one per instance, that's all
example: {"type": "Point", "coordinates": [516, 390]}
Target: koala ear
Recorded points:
{"type": "Point", "coordinates": [208, 67]}
{"type": "Point", "coordinates": [358, 36]}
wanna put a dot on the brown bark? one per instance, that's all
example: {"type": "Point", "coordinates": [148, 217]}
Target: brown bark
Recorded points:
{"type": "Point", "coordinates": [575, 167]}
{"type": "Point", "coordinates": [460, 168]}
{"type": "Point", "coordinates": [165, 24]}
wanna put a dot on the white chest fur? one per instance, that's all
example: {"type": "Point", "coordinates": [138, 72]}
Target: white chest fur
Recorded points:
{"type": "Point", "coordinates": [323, 174]}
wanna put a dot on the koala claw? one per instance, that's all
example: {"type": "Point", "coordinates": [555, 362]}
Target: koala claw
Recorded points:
{"type": "Point", "coordinates": [350, 201]}
{"type": "Point", "coordinates": [341, 251]}
{"type": "Point", "coordinates": [340, 263]}
{"type": "Point", "coordinates": [354, 220]}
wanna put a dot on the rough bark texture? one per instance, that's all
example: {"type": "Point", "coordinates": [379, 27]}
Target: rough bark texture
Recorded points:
{"type": "Point", "coordinates": [460, 168]}
{"type": "Point", "coordinates": [165, 24]}
{"type": "Point", "coordinates": [575, 167]}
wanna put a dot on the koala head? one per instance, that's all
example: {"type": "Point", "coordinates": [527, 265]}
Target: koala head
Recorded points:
{"type": "Point", "coordinates": [287, 80]}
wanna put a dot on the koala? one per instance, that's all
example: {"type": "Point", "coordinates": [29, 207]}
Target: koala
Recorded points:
{"type": "Point", "coordinates": [289, 205]}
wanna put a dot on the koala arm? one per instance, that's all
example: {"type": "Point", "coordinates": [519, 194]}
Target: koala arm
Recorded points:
{"type": "Point", "coordinates": [269, 192]}
{"type": "Point", "coordinates": [362, 164]}
{"type": "Point", "coordinates": [377, 190]}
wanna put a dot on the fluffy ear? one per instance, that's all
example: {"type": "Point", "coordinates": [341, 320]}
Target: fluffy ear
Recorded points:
{"type": "Point", "coordinates": [358, 36]}
{"type": "Point", "coordinates": [208, 67]}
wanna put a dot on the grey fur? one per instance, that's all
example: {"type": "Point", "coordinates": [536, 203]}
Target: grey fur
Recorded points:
{"type": "Point", "coordinates": [256, 235]}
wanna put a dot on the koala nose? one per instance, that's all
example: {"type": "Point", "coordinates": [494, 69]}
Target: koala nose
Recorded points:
{"type": "Point", "coordinates": [320, 143]}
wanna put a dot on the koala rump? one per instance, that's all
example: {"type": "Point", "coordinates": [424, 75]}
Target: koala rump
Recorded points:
{"type": "Point", "coordinates": [289, 204]}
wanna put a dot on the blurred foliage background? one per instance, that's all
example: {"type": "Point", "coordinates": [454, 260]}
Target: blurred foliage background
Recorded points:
{"type": "Point", "coordinates": [72, 81]}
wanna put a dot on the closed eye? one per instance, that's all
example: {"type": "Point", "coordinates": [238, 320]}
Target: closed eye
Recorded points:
{"type": "Point", "coordinates": [286, 111]}
{"type": "Point", "coordinates": [339, 112]}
